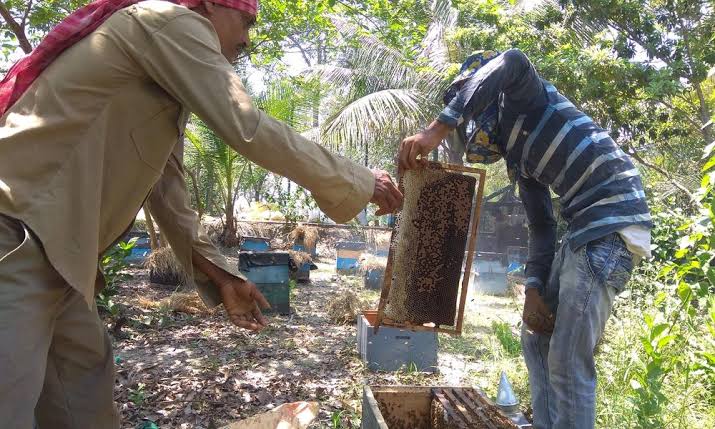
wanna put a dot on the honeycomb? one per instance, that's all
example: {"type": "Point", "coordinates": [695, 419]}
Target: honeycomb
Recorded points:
{"type": "Point", "coordinates": [428, 246]}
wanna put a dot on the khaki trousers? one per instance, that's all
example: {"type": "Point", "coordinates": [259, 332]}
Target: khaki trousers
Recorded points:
{"type": "Point", "coordinates": [56, 364]}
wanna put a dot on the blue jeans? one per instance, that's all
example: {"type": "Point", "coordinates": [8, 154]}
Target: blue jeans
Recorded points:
{"type": "Point", "coordinates": [580, 291]}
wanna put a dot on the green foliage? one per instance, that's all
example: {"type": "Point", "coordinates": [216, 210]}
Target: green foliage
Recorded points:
{"type": "Point", "coordinates": [113, 264]}
{"type": "Point", "coordinates": [137, 395]}
{"type": "Point", "coordinates": [335, 419]}
{"type": "Point", "coordinates": [387, 78]}
{"type": "Point", "coordinates": [218, 163]}
{"type": "Point", "coordinates": [36, 21]}
{"type": "Point", "coordinates": [292, 288]}
{"type": "Point", "coordinates": [290, 23]}
{"type": "Point", "coordinates": [678, 340]}
{"type": "Point", "coordinates": [342, 419]}
{"type": "Point", "coordinates": [508, 340]}
{"type": "Point", "coordinates": [412, 368]}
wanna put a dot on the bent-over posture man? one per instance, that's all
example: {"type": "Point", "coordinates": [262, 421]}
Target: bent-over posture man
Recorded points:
{"type": "Point", "coordinates": [503, 109]}
{"type": "Point", "coordinates": [91, 127]}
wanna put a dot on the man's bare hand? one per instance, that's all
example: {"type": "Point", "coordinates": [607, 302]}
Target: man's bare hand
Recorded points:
{"type": "Point", "coordinates": [421, 144]}
{"type": "Point", "coordinates": [242, 300]}
{"type": "Point", "coordinates": [386, 195]}
{"type": "Point", "coordinates": [537, 315]}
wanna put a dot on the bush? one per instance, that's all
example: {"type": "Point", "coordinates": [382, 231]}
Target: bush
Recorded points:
{"type": "Point", "coordinates": [658, 357]}
{"type": "Point", "coordinates": [509, 341]}
{"type": "Point", "coordinates": [112, 265]}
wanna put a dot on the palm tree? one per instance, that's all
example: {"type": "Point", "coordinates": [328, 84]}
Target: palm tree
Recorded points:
{"type": "Point", "coordinates": [216, 169]}
{"type": "Point", "coordinates": [383, 94]}
{"type": "Point", "coordinates": [223, 169]}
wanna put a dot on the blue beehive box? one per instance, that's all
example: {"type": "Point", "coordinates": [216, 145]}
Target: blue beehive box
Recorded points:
{"type": "Point", "coordinates": [301, 248]}
{"type": "Point", "coordinates": [374, 278]}
{"type": "Point", "coordinates": [141, 249]}
{"type": "Point", "coordinates": [382, 252]}
{"type": "Point", "coordinates": [391, 349]}
{"type": "Point", "coordinates": [270, 271]}
{"type": "Point", "coordinates": [348, 255]}
{"type": "Point", "coordinates": [255, 244]}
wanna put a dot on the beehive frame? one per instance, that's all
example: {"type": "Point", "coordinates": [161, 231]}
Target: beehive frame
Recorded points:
{"type": "Point", "coordinates": [471, 247]}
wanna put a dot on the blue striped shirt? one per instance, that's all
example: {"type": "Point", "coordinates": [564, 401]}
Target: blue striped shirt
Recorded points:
{"type": "Point", "coordinates": [552, 144]}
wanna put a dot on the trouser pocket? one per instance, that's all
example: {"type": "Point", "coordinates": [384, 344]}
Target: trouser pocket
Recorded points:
{"type": "Point", "coordinates": [609, 261]}
{"type": "Point", "coordinates": [13, 236]}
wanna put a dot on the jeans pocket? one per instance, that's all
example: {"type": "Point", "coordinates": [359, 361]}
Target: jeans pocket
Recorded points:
{"type": "Point", "coordinates": [599, 255]}
{"type": "Point", "coordinates": [621, 274]}
{"type": "Point", "coordinates": [609, 261]}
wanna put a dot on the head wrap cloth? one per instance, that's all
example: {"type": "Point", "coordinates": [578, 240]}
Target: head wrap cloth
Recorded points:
{"type": "Point", "coordinates": [480, 134]}
{"type": "Point", "coordinates": [71, 30]}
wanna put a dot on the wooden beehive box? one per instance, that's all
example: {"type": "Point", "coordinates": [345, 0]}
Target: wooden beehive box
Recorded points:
{"type": "Point", "coordinates": [412, 407]}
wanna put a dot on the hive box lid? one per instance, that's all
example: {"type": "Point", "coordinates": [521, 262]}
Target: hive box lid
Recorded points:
{"type": "Point", "coordinates": [248, 260]}
{"type": "Point", "coordinates": [351, 245]}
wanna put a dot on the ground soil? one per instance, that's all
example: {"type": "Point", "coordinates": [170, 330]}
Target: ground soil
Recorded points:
{"type": "Point", "coordinates": [197, 371]}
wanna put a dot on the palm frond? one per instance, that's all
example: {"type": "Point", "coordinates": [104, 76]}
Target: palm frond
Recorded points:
{"type": "Point", "coordinates": [373, 59]}
{"type": "Point", "coordinates": [434, 46]}
{"type": "Point", "coordinates": [367, 118]}
{"type": "Point", "coordinates": [285, 102]}
{"type": "Point", "coordinates": [340, 77]}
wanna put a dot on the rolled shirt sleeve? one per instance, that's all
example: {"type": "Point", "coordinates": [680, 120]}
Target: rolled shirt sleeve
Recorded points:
{"type": "Point", "coordinates": [542, 231]}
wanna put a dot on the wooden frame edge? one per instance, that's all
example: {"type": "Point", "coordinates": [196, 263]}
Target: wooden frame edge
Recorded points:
{"type": "Point", "coordinates": [472, 242]}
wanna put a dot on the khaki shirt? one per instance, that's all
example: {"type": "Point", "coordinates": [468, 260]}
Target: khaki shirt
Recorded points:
{"type": "Point", "coordinates": [96, 135]}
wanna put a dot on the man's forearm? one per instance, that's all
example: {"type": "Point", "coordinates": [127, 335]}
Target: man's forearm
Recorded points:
{"type": "Point", "coordinates": [542, 239]}
{"type": "Point", "coordinates": [440, 129]}
{"type": "Point", "coordinates": [542, 231]}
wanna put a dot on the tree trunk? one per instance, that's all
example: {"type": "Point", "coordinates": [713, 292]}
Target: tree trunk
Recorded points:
{"type": "Point", "coordinates": [229, 235]}
{"type": "Point", "coordinates": [197, 195]}
{"type": "Point", "coordinates": [367, 153]}
{"type": "Point", "coordinates": [704, 115]}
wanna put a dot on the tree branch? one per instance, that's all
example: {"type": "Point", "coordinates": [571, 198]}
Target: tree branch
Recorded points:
{"type": "Point", "coordinates": [693, 200]}
{"type": "Point", "coordinates": [687, 117]}
{"type": "Point", "coordinates": [704, 110]}
{"type": "Point", "coordinates": [197, 195]}
{"type": "Point", "coordinates": [16, 28]}
{"type": "Point", "coordinates": [26, 15]}
{"type": "Point", "coordinates": [300, 48]}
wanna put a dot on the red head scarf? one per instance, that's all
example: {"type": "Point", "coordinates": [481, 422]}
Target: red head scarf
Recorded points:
{"type": "Point", "coordinates": [70, 31]}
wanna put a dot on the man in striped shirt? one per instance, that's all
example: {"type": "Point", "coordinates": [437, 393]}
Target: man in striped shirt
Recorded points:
{"type": "Point", "coordinates": [501, 108]}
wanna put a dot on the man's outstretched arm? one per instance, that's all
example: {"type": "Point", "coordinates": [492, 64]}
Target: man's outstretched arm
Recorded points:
{"type": "Point", "coordinates": [185, 59]}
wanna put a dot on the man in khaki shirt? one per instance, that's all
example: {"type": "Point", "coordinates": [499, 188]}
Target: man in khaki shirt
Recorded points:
{"type": "Point", "coordinates": [97, 134]}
